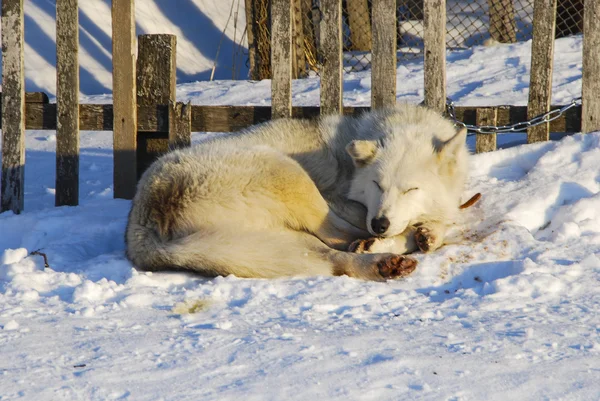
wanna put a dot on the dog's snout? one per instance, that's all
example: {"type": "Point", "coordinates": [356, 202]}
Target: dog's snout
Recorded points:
{"type": "Point", "coordinates": [380, 225]}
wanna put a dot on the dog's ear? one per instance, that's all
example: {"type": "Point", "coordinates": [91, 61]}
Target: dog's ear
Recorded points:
{"type": "Point", "coordinates": [451, 146]}
{"type": "Point", "coordinates": [362, 152]}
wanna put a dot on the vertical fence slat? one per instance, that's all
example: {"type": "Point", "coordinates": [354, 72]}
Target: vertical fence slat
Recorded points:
{"type": "Point", "coordinates": [383, 56]}
{"type": "Point", "coordinates": [331, 50]}
{"type": "Point", "coordinates": [590, 107]}
{"type": "Point", "coordinates": [360, 24]}
{"type": "Point", "coordinates": [299, 70]}
{"type": "Point", "coordinates": [434, 38]}
{"type": "Point", "coordinates": [180, 125]}
{"type": "Point", "coordinates": [124, 99]}
{"type": "Point", "coordinates": [250, 35]}
{"type": "Point", "coordinates": [281, 51]}
{"type": "Point", "coordinates": [486, 142]}
{"type": "Point", "coordinates": [315, 21]}
{"type": "Point", "coordinates": [542, 51]}
{"type": "Point", "coordinates": [67, 103]}
{"type": "Point", "coordinates": [156, 77]}
{"type": "Point", "coordinates": [502, 21]}
{"type": "Point", "coordinates": [13, 107]}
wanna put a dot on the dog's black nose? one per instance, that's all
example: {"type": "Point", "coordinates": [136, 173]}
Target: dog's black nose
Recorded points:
{"type": "Point", "coordinates": [380, 225]}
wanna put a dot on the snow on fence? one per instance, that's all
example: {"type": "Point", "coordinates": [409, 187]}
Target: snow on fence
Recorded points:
{"type": "Point", "coordinates": [147, 120]}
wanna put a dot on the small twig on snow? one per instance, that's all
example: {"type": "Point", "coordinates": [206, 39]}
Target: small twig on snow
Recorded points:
{"type": "Point", "coordinates": [42, 255]}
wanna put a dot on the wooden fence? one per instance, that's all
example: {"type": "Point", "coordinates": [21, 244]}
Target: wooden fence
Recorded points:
{"type": "Point", "coordinates": [146, 119]}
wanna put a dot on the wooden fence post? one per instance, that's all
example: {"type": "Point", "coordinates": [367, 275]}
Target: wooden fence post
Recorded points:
{"type": "Point", "coordinates": [331, 50]}
{"type": "Point", "coordinates": [542, 52]}
{"type": "Point", "coordinates": [360, 23]}
{"type": "Point", "coordinates": [250, 35]}
{"type": "Point", "coordinates": [486, 142]}
{"type": "Point", "coordinates": [590, 113]}
{"type": "Point", "coordinates": [315, 21]}
{"type": "Point", "coordinates": [67, 103]}
{"type": "Point", "coordinates": [13, 107]}
{"type": "Point", "coordinates": [502, 21]}
{"type": "Point", "coordinates": [124, 99]}
{"type": "Point", "coordinates": [299, 61]}
{"type": "Point", "coordinates": [383, 56]}
{"type": "Point", "coordinates": [180, 125]}
{"type": "Point", "coordinates": [156, 77]}
{"type": "Point", "coordinates": [435, 54]}
{"type": "Point", "coordinates": [281, 52]}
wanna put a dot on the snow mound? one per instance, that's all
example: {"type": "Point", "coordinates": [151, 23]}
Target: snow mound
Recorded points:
{"type": "Point", "coordinates": [495, 305]}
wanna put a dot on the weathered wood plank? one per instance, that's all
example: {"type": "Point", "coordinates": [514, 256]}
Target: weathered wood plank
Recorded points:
{"type": "Point", "coordinates": [281, 52]}
{"type": "Point", "coordinates": [590, 120]}
{"type": "Point", "coordinates": [360, 24]}
{"type": "Point", "coordinates": [486, 142]}
{"type": "Point", "coordinates": [30, 97]}
{"type": "Point", "coordinates": [180, 125]}
{"type": "Point", "coordinates": [250, 35]}
{"type": "Point", "coordinates": [156, 67]}
{"type": "Point", "coordinates": [156, 74]}
{"type": "Point", "coordinates": [315, 20]}
{"type": "Point", "coordinates": [383, 56]}
{"type": "Point", "coordinates": [331, 50]}
{"type": "Point", "coordinates": [299, 61]}
{"type": "Point", "coordinates": [34, 97]}
{"type": "Point", "coordinates": [542, 52]}
{"type": "Point", "coordinates": [67, 103]}
{"type": "Point", "coordinates": [99, 117]}
{"type": "Point", "coordinates": [13, 107]}
{"type": "Point", "coordinates": [435, 54]}
{"type": "Point", "coordinates": [124, 119]}
{"type": "Point", "coordinates": [503, 28]}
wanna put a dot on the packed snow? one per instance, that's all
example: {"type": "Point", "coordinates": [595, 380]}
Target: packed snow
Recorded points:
{"type": "Point", "coordinates": [509, 309]}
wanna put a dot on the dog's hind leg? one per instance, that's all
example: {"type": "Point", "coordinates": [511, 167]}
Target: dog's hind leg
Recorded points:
{"type": "Point", "coordinates": [224, 251]}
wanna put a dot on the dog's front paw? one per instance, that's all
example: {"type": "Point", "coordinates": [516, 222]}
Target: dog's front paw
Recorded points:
{"type": "Point", "coordinates": [425, 239]}
{"type": "Point", "coordinates": [362, 245]}
{"type": "Point", "coordinates": [396, 266]}
{"type": "Point", "coordinates": [375, 245]}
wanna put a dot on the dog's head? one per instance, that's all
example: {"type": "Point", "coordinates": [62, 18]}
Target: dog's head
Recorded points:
{"type": "Point", "coordinates": [404, 175]}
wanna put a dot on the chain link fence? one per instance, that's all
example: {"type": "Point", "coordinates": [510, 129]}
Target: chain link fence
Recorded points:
{"type": "Point", "coordinates": [468, 23]}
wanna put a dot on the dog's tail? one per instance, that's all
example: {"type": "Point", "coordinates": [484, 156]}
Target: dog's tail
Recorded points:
{"type": "Point", "coordinates": [146, 249]}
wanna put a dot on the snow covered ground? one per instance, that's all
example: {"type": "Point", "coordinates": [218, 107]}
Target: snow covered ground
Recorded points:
{"type": "Point", "coordinates": [509, 310]}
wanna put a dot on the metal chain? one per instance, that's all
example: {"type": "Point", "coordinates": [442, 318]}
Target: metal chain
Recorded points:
{"type": "Point", "coordinates": [518, 127]}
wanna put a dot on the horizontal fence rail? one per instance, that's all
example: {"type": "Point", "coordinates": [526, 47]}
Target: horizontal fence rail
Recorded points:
{"type": "Point", "coordinates": [155, 118]}
{"type": "Point", "coordinates": [147, 120]}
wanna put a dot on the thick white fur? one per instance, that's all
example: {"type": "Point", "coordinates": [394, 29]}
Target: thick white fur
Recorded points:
{"type": "Point", "coordinates": [415, 173]}
{"type": "Point", "coordinates": [288, 197]}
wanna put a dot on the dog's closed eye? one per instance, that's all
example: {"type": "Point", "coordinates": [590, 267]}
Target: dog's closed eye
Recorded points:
{"type": "Point", "coordinates": [410, 189]}
{"type": "Point", "coordinates": [378, 185]}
